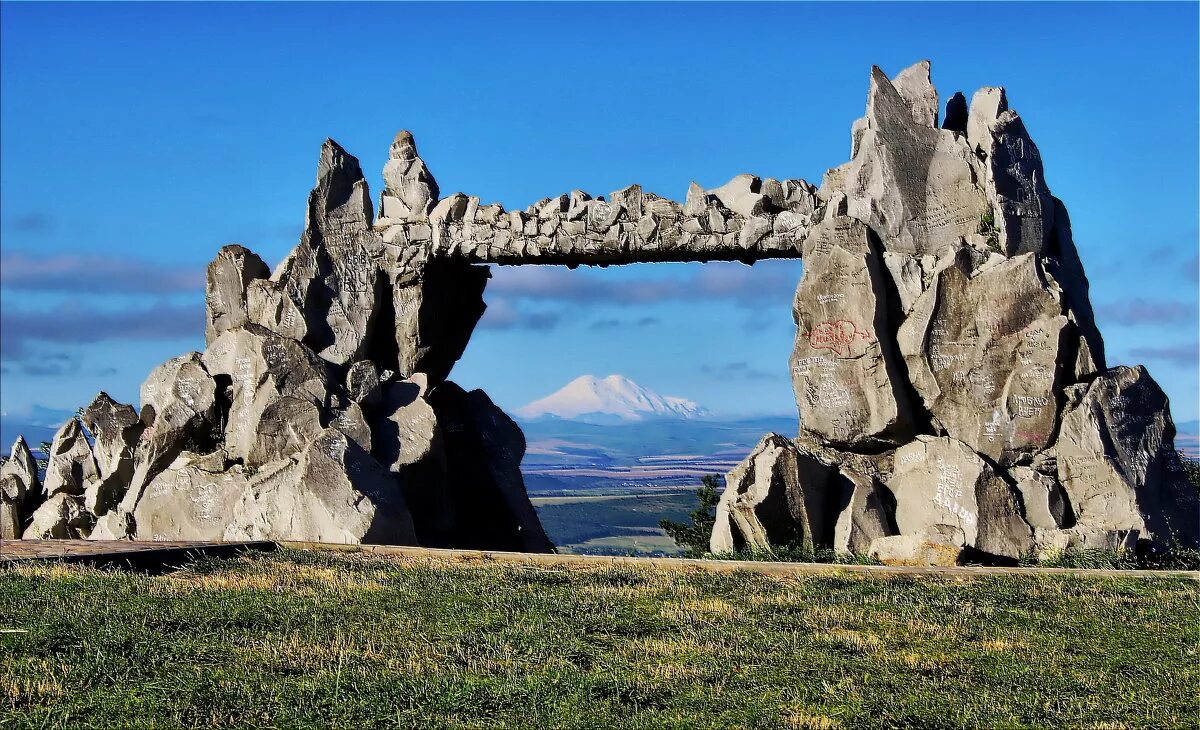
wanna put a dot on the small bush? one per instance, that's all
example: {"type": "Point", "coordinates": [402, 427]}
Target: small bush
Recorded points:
{"type": "Point", "coordinates": [693, 536]}
{"type": "Point", "coordinates": [987, 227]}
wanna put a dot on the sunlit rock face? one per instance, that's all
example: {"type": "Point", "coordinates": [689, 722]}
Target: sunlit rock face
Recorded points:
{"type": "Point", "coordinates": [845, 367]}
{"type": "Point", "coordinates": [319, 410]}
{"type": "Point", "coordinates": [950, 381]}
{"type": "Point", "coordinates": [945, 339]}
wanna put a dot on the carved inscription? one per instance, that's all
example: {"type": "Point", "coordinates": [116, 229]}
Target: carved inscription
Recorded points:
{"type": "Point", "coordinates": [822, 391]}
{"type": "Point", "coordinates": [204, 497]}
{"type": "Point", "coordinates": [940, 215]}
{"type": "Point", "coordinates": [243, 378]}
{"type": "Point", "coordinates": [1029, 406]}
{"type": "Point", "coordinates": [949, 491]}
{"type": "Point", "coordinates": [991, 429]}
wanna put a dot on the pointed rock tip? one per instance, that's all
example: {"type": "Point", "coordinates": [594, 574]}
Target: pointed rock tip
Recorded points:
{"type": "Point", "coordinates": [404, 146]}
{"type": "Point", "coordinates": [335, 158]}
{"type": "Point", "coordinates": [996, 92]}
{"type": "Point", "coordinates": [103, 397]}
{"type": "Point", "coordinates": [920, 67]}
{"type": "Point", "coordinates": [880, 84]}
{"type": "Point", "coordinates": [235, 249]}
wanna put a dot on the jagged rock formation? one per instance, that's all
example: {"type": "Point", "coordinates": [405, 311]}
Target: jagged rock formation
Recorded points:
{"type": "Point", "coordinates": [947, 364]}
{"type": "Point", "coordinates": [318, 411]}
{"type": "Point", "coordinates": [20, 490]}
{"type": "Point", "coordinates": [951, 383]}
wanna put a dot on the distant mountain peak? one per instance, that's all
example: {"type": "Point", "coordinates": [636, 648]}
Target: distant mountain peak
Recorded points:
{"type": "Point", "coordinates": [615, 398]}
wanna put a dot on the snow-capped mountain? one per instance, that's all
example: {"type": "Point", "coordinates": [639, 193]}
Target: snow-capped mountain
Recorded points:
{"type": "Point", "coordinates": [613, 399]}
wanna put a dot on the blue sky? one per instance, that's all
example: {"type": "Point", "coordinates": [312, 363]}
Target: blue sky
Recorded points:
{"type": "Point", "coordinates": [137, 139]}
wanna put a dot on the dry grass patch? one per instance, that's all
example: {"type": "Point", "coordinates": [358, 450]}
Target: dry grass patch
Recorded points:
{"type": "Point", "coordinates": [800, 719]}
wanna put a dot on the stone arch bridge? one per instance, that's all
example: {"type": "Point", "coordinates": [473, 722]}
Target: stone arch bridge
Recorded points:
{"type": "Point", "coordinates": [950, 380]}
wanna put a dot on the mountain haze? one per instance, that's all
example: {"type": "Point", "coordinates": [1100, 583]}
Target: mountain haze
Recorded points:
{"type": "Point", "coordinates": [614, 399]}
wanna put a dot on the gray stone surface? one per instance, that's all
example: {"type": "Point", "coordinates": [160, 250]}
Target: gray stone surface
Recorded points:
{"type": "Point", "coordinates": [801, 494]}
{"type": "Point", "coordinates": [484, 448]}
{"type": "Point", "coordinates": [410, 192]}
{"type": "Point", "coordinates": [115, 525]}
{"type": "Point", "coordinates": [1046, 506]}
{"type": "Point", "coordinates": [192, 499]}
{"type": "Point", "coordinates": [229, 275]}
{"type": "Point", "coordinates": [844, 368]}
{"type": "Point", "coordinates": [19, 475]}
{"type": "Point", "coordinates": [180, 411]}
{"type": "Point", "coordinates": [943, 482]}
{"type": "Point", "coordinates": [11, 517]}
{"type": "Point", "coordinates": [71, 466]}
{"type": "Point", "coordinates": [864, 513]}
{"type": "Point", "coordinates": [61, 516]}
{"type": "Point", "coordinates": [332, 277]}
{"type": "Point", "coordinates": [1014, 180]}
{"type": "Point", "coordinates": [333, 492]}
{"type": "Point", "coordinates": [914, 184]}
{"type": "Point", "coordinates": [1116, 460]}
{"type": "Point", "coordinates": [268, 305]}
{"type": "Point", "coordinates": [277, 392]}
{"type": "Point", "coordinates": [916, 88]}
{"type": "Point", "coordinates": [409, 442]}
{"type": "Point", "coordinates": [983, 347]}
{"type": "Point", "coordinates": [1067, 269]}
{"type": "Point", "coordinates": [933, 545]}
{"type": "Point", "coordinates": [776, 496]}
{"type": "Point", "coordinates": [116, 429]}
{"type": "Point", "coordinates": [20, 490]}
{"type": "Point", "coordinates": [434, 316]}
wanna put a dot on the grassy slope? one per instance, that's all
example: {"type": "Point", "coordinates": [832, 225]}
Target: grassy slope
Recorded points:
{"type": "Point", "coordinates": [571, 523]}
{"type": "Point", "coordinates": [321, 639]}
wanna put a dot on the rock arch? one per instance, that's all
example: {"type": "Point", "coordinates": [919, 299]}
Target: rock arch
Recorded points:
{"type": "Point", "coordinates": [950, 379]}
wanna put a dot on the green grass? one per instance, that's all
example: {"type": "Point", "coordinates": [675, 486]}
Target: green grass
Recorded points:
{"type": "Point", "coordinates": [320, 639]}
{"type": "Point", "coordinates": [1176, 558]}
{"type": "Point", "coordinates": [573, 523]}
{"type": "Point", "coordinates": [649, 541]}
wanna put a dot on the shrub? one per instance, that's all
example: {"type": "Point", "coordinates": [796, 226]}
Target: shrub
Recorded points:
{"type": "Point", "coordinates": [693, 536]}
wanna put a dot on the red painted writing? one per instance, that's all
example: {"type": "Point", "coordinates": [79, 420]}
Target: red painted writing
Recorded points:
{"type": "Point", "coordinates": [838, 336]}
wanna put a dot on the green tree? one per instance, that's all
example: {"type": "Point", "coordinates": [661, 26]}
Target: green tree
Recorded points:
{"type": "Point", "coordinates": [693, 536]}
{"type": "Point", "coordinates": [43, 462]}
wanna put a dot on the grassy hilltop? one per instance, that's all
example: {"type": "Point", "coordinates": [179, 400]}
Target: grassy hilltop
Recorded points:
{"type": "Point", "coordinates": [318, 639]}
